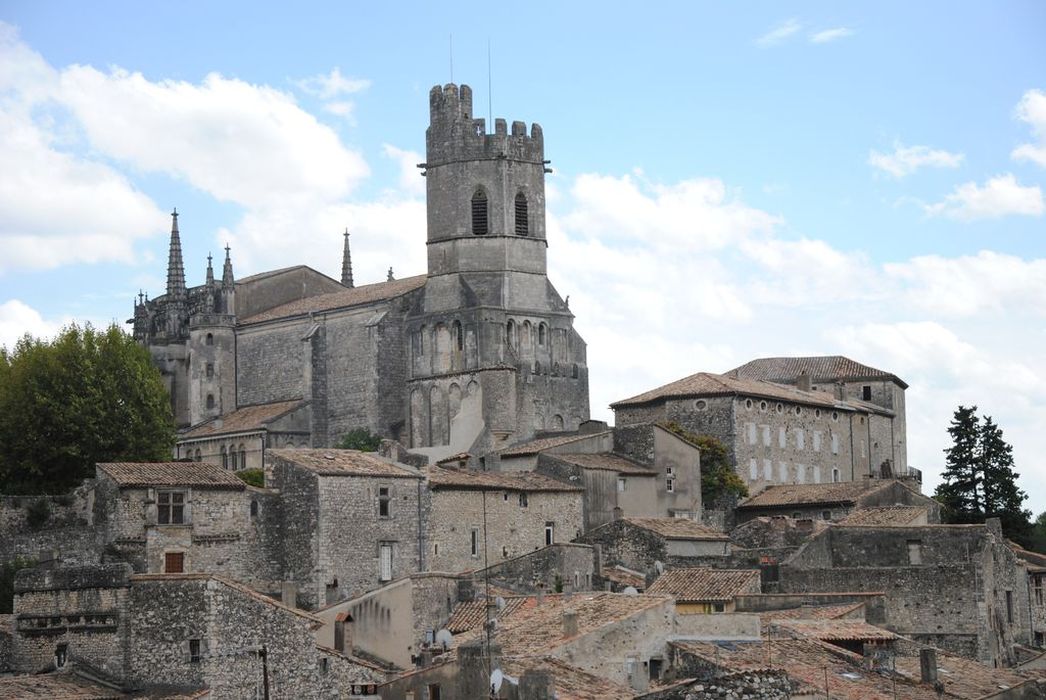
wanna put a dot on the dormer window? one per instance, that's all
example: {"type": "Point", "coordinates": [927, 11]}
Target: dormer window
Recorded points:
{"type": "Point", "coordinates": [479, 213]}
{"type": "Point", "coordinates": [522, 216]}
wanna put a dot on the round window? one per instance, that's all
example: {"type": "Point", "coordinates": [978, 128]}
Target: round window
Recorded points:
{"type": "Point", "coordinates": [835, 415]}
{"type": "Point", "coordinates": [700, 404]}
{"type": "Point", "coordinates": [817, 413]}
{"type": "Point", "coordinates": [762, 405]}
{"type": "Point", "coordinates": [748, 404]}
{"type": "Point", "coordinates": [780, 408]}
{"type": "Point", "coordinates": [798, 410]}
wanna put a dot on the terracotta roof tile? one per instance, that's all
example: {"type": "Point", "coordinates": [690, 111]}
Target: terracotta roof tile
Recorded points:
{"type": "Point", "coordinates": [472, 614]}
{"type": "Point", "coordinates": [678, 528]}
{"type": "Point", "coordinates": [885, 516]}
{"type": "Point", "coordinates": [810, 494]}
{"type": "Point", "coordinates": [195, 474]}
{"type": "Point", "coordinates": [834, 630]}
{"type": "Point", "coordinates": [707, 384]}
{"type": "Point", "coordinates": [356, 296]}
{"type": "Point", "coordinates": [332, 462]}
{"type": "Point", "coordinates": [450, 478]}
{"type": "Point", "coordinates": [810, 612]}
{"type": "Point", "coordinates": [55, 686]}
{"type": "Point", "coordinates": [243, 419]}
{"type": "Point", "coordinates": [625, 577]}
{"type": "Point", "coordinates": [569, 682]}
{"type": "Point", "coordinates": [532, 447]}
{"type": "Point", "coordinates": [607, 461]}
{"type": "Point", "coordinates": [824, 368]}
{"type": "Point", "coordinates": [702, 584]}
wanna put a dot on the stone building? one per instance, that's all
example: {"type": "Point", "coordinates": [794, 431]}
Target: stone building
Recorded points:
{"type": "Point", "coordinates": [351, 521]}
{"type": "Point", "coordinates": [173, 633]}
{"type": "Point", "coordinates": [957, 587]}
{"type": "Point", "coordinates": [648, 545]}
{"type": "Point", "coordinates": [478, 351]}
{"type": "Point", "coordinates": [778, 433]}
{"type": "Point", "coordinates": [479, 518]}
{"type": "Point", "coordinates": [839, 500]}
{"type": "Point", "coordinates": [704, 591]}
{"type": "Point", "coordinates": [239, 440]}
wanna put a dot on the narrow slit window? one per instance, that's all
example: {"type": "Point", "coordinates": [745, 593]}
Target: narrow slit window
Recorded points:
{"type": "Point", "coordinates": [479, 213]}
{"type": "Point", "coordinates": [522, 216]}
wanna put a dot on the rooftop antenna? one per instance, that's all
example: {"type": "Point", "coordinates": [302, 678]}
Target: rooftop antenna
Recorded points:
{"type": "Point", "coordinates": [452, 57]}
{"type": "Point", "coordinates": [490, 92]}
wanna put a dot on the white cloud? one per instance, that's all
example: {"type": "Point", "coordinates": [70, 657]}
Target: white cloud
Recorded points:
{"type": "Point", "coordinates": [905, 160]}
{"type": "Point", "coordinates": [780, 33]}
{"type": "Point", "coordinates": [1032, 109]}
{"type": "Point", "coordinates": [332, 85]}
{"type": "Point", "coordinates": [1000, 196]}
{"type": "Point", "coordinates": [18, 318]}
{"type": "Point", "coordinates": [828, 35]}
{"type": "Point", "coordinates": [410, 179]}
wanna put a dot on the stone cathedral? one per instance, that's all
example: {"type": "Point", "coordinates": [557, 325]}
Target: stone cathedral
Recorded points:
{"type": "Point", "coordinates": [479, 352]}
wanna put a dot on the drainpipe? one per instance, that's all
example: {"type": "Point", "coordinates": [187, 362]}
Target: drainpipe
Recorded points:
{"type": "Point", "coordinates": [421, 544]}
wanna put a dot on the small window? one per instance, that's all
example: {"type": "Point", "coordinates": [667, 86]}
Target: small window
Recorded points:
{"type": "Point", "coordinates": [434, 693]}
{"type": "Point", "coordinates": [523, 500]}
{"type": "Point", "coordinates": [225, 458]}
{"type": "Point", "coordinates": [384, 502]}
{"type": "Point", "coordinates": [385, 562]}
{"type": "Point", "coordinates": [748, 404]}
{"type": "Point", "coordinates": [479, 213]}
{"type": "Point", "coordinates": [762, 406]}
{"type": "Point", "coordinates": [210, 339]}
{"type": "Point", "coordinates": [174, 562]}
{"type": "Point", "coordinates": [780, 408]}
{"type": "Point", "coordinates": [798, 410]}
{"type": "Point", "coordinates": [797, 515]}
{"type": "Point", "coordinates": [459, 336]}
{"type": "Point", "coordinates": [61, 655]}
{"type": "Point", "coordinates": [243, 457]}
{"type": "Point", "coordinates": [170, 507]}
{"type": "Point", "coordinates": [670, 485]}
{"type": "Point", "coordinates": [835, 415]}
{"type": "Point", "coordinates": [1009, 607]}
{"type": "Point", "coordinates": [622, 484]}
{"type": "Point", "coordinates": [866, 393]}
{"type": "Point", "coordinates": [522, 217]}
{"type": "Point", "coordinates": [194, 651]}
{"type": "Point", "coordinates": [210, 370]}
{"type": "Point", "coordinates": [324, 667]}
{"type": "Point", "coordinates": [435, 548]}
{"type": "Point", "coordinates": [718, 607]}
{"type": "Point", "coordinates": [210, 400]}
{"type": "Point", "coordinates": [700, 404]}
{"type": "Point", "coordinates": [550, 533]}
{"type": "Point", "coordinates": [817, 413]}
{"type": "Point", "coordinates": [915, 552]}
{"type": "Point", "coordinates": [574, 371]}
{"type": "Point", "coordinates": [254, 509]}
{"type": "Point", "coordinates": [474, 542]}
{"type": "Point", "coordinates": [835, 476]}
{"type": "Point", "coordinates": [826, 515]}
{"type": "Point", "coordinates": [510, 333]}
{"type": "Point", "coordinates": [542, 332]}
{"type": "Point", "coordinates": [198, 457]}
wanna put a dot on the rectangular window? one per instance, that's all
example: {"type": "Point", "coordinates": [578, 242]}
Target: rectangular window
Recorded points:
{"type": "Point", "coordinates": [783, 472]}
{"type": "Point", "coordinates": [621, 484]}
{"type": "Point", "coordinates": [826, 515]}
{"type": "Point", "coordinates": [817, 474]}
{"type": "Point", "coordinates": [385, 557]}
{"type": "Point", "coordinates": [170, 507]}
{"type": "Point", "coordinates": [474, 547]}
{"type": "Point", "coordinates": [1009, 607]}
{"type": "Point", "coordinates": [434, 693]}
{"type": "Point", "coordinates": [800, 438]}
{"type": "Point", "coordinates": [835, 443]}
{"type": "Point", "coordinates": [768, 469]}
{"type": "Point", "coordinates": [753, 469]}
{"type": "Point", "coordinates": [194, 651]}
{"type": "Point", "coordinates": [61, 655]}
{"type": "Point", "coordinates": [800, 473]}
{"type": "Point", "coordinates": [523, 500]}
{"type": "Point", "coordinates": [670, 485]}
{"type": "Point", "coordinates": [766, 435]}
{"type": "Point", "coordinates": [384, 502]}
{"type": "Point", "coordinates": [210, 370]}
{"type": "Point", "coordinates": [915, 552]}
{"type": "Point", "coordinates": [1038, 590]}
{"type": "Point", "coordinates": [550, 533]}
{"type": "Point", "coordinates": [866, 393]}
{"type": "Point", "coordinates": [782, 437]}
{"type": "Point", "coordinates": [817, 441]}
{"type": "Point", "coordinates": [862, 448]}
{"type": "Point", "coordinates": [174, 562]}
{"type": "Point", "coordinates": [751, 433]}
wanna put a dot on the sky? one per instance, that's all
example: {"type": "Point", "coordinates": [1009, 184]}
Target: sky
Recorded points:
{"type": "Point", "coordinates": [822, 178]}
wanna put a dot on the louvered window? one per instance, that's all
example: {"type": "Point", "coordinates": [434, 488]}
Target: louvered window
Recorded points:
{"type": "Point", "coordinates": [479, 213]}
{"type": "Point", "coordinates": [522, 217]}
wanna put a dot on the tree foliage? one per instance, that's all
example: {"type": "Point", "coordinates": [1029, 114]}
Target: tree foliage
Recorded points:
{"type": "Point", "coordinates": [252, 477]}
{"type": "Point", "coordinates": [718, 479]}
{"type": "Point", "coordinates": [87, 396]}
{"type": "Point", "coordinates": [360, 439]}
{"type": "Point", "coordinates": [7, 581]}
{"type": "Point", "coordinates": [979, 479]}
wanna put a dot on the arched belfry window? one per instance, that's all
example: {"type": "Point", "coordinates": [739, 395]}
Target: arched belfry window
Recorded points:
{"type": "Point", "coordinates": [522, 216]}
{"type": "Point", "coordinates": [479, 213]}
{"type": "Point", "coordinates": [459, 336]}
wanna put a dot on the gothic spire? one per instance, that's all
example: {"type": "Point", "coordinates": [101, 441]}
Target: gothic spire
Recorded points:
{"type": "Point", "coordinates": [346, 263]}
{"type": "Point", "coordinates": [175, 268]}
{"type": "Point", "coordinates": [210, 272]}
{"type": "Point", "coordinates": [227, 278]}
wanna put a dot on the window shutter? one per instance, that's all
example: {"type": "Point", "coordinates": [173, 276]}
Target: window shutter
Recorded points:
{"type": "Point", "coordinates": [150, 507]}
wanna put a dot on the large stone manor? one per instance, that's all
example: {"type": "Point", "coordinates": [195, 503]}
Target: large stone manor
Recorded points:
{"type": "Point", "coordinates": [478, 352]}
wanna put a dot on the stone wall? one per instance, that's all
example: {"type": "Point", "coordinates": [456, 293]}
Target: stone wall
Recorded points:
{"type": "Point", "coordinates": [66, 533]}
{"type": "Point", "coordinates": [632, 547]}
{"type": "Point", "coordinates": [506, 524]}
{"type": "Point", "coordinates": [576, 565]}
{"type": "Point", "coordinates": [765, 684]}
{"type": "Point", "coordinates": [269, 362]}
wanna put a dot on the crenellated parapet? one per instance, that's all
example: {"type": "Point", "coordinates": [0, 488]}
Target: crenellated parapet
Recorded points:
{"type": "Point", "coordinates": [454, 134]}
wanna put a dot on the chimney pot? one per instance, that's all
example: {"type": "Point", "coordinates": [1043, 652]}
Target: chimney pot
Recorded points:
{"type": "Point", "coordinates": [928, 664]}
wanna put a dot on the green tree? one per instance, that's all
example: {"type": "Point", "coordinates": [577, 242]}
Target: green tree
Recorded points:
{"type": "Point", "coordinates": [718, 480]}
{"type": "Point", "coordinates": [360, 439]}
{"type": "Point", "coordinates": [85, 397]}
{"type": "Point", "coordinates": [980, 480]}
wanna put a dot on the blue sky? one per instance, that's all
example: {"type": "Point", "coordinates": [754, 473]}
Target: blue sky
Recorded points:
{"type": "Point", "coordinates": [861, 178]}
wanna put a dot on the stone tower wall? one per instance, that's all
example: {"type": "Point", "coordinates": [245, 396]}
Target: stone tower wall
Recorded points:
{"type": "Point", "coordinates": [211, 366]}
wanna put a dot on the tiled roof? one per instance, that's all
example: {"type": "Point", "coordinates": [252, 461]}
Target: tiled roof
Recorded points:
{"type": "Point", "coordinates": [538, 629]}
{"type": "Point", "coordinates": [195, 474]}
{"type": "Point", "coordinates": [532, 447]}
{"type": "Point", "coordinates": [963, 678]}
{"type": "Point", "coordinates": [810, 494]}
{"type": "Point", "coordinates": [364, 294]}
{"type": "Point", "coordinates": [332, 462]}
{"type": "Point", "coordinates": [706, 584]}
{"type": "Point", "coordinates": [835, 630]}
{"type": "Point", "coordinates": [449, 478]}
{"type": "Point", "coordinates": [625, 577]}
{"type": "Point", "coordinates": [831, 368]}
{"type": "Point", "coordinates": [885, 516]}
{"type": "Point", "coordinates": [472, 614]}
{"type": "Point", "coordinates": [811, 612]}
{"type": "Point", "coordinates": [607, 461]}
{"type": "Point", "coordinates": [243, 419]}
{"type": "Point", "coordinates": [707, 384]}
{"type": "Point", "coordinates": [1036, 561]}
{"type": "Point", "coordinates": [55, 686]}
{"type": "Point", "coordinates": [678, 528]}
{"type": "Point", "coordinates": [569, 682]}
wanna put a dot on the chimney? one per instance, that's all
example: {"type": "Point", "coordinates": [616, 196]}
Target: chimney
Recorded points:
{"type": "Point", "coordinates": [569, 623]}
{"type": "Point", "coordinates": [928, 664]}
{"type": "Point", "coordinates": [541, 593]}
{"type": "Point", "coordinates": [535, 684]}
{"type": "Point", "coordinates": [804, 382]}
{"type": "Point", "coordinates": [618, 513]}
{"type": "Point", "coordinates": [466, 590]}
{"type": "Point", "coordinates": [289, 594]}
{"type": "Point", "coordinates": [994, 525]}
{"type": "Point", "coordinates": [343, 633]}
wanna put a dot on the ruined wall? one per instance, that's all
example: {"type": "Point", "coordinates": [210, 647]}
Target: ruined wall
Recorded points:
{"type": "Point", "coordinates": [66, 532]}
{"type": "Point", "coordinates": [628, 545]}
{"type": "Point", "coordinates": [575, 565]}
